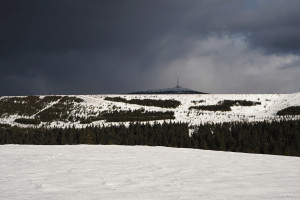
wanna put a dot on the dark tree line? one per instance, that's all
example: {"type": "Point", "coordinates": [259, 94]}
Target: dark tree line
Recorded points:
{"type": "Point", "coordinates": [166, 134]}
{"type": "Point", "coordinates": [293, 110]}
{"type": "Point", "coordinates": [130, 116]}
{"type": "Point", "coordinates": [221, 107]}
{"type": "Point", "coordinates": [280, 138]}
{"type": "Point", "coordinates": [28, 121]}
{"type": "Point", "coordinates": [147, 102]}
{"type": "Point", "coordinates": [239, 103]}
{"type": "Point", "coordinates": [225, 105]}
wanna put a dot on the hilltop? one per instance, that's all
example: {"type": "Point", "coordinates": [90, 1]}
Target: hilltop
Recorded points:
{"type": "Point", "coordinates": [174, 90]}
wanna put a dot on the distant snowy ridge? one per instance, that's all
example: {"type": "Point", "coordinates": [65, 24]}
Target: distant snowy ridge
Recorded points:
{"type": "Point", "coordinates": [91, 106]}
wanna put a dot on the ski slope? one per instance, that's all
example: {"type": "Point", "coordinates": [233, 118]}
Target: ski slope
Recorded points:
{"type": "Point", "coordinates": [140, 172]}
{"type": "Point", "coordinates": [270, 105]}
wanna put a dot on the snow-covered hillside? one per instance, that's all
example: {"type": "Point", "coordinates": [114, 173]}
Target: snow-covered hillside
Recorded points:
{"type": "Point", "coordinates": [139, 172]}
{"type": "Point", "coordinates": [92, 105]}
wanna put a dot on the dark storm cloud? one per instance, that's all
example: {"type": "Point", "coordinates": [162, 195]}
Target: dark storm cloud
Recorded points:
{"type": "Point", "coordinates": [79, 47]}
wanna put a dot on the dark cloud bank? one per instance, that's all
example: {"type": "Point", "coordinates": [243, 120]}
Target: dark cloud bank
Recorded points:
{"type": "Point", "coordinates": [93, 47]}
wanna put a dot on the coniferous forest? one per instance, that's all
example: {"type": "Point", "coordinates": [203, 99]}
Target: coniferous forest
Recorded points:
{"type": "Point", "coordinates": [280, 138]}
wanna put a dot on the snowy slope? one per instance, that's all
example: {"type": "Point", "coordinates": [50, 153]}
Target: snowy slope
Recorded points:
{"type": "Point", "coordinates": [128, 173]}
{"type": "Point", "coordinates": [93, 104]}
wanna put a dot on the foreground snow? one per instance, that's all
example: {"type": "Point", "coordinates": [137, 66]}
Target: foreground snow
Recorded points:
{"type": "Point", "coordinates": [139, 172]}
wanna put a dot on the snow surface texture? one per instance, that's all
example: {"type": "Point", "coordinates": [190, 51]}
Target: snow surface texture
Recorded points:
{"type": "Point", "coordinates": [93, 104]}
{"type": "Point", "coordinates": [139, 172]}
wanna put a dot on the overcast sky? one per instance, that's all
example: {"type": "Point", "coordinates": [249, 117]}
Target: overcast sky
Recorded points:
{"type": "Point", "coordinates": [120, 46]}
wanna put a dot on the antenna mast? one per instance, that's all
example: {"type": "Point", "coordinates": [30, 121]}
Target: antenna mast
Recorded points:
{"type": "Point", "coordinates": [177, 82]}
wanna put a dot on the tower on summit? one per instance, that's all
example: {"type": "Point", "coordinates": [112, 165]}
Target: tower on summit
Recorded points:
{"type": "Point", "coordinates": [177, 86]}
{"type": "Point", "coordinates": [174, 90]}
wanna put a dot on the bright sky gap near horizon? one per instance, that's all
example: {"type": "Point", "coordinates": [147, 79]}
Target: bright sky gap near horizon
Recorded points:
{"type": "Point", "coordinates": [95, 47]}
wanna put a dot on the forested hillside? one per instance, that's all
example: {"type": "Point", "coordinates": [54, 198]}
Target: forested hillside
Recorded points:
{"type": "Point", "coordinates": [81, 111]}
{"type": "Point", "coordinates": [249, 123]}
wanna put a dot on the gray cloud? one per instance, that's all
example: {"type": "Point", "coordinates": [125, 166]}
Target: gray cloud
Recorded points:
{"type": "Point", "coordinates": [81, 47]}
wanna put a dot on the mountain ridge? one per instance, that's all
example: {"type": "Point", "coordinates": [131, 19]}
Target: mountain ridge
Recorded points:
{"type": "Point", "coordinates": [174, 90]}
{"type": "Point", "coordinates": [106, 110]}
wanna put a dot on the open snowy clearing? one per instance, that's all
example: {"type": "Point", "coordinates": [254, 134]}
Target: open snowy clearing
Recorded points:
{"type": "Point", "coordinates": [140, 172]}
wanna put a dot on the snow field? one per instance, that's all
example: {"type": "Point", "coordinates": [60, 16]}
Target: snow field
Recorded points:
{"type": "Point", "coordinates": [140, 172]}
